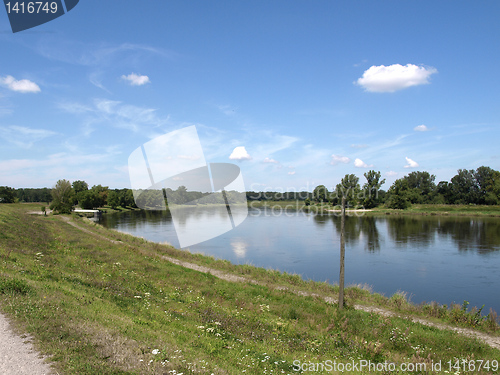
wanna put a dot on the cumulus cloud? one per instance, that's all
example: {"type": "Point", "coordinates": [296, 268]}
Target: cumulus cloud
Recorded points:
{"type": "Point", "coordinates": [240, 153]}
{"type": "Point", "coordinates": [394, 77]}
{"type": "Point", "coordinates": [358, 163]}
{"type": "Point", "coordinates": [268, 160]}
{"type": "Point", "coordinates": [411, 163]}
{"type": "Point", "coordinates": [136, 80]}
{"type": "Point", "coordinates": [339, 159]}
{"type": "Point", "coordinates": [22, 85]}
{"type": "Point", "coordinates": [421, 128]}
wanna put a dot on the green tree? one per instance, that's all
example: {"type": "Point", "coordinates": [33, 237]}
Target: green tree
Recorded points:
{"type": "Point", "coordinates": [102, 195]}
{"type": "Point", "coordinates": [79, 186]}
{"type": "Point", "coordinates": [349, 188]}
{"type": "Point", "coordinates": [320, 193]}
{"type": "Point", "coordinates": [113, 199]}
{"type": "Point", "coordinates": [422, 188]}
{"type": "Point", "coordinates": [371, 189]}
{"type": "Point", "coordinates": [485, 177]}
{"type": "Point", "coordinates": [399, 195]}
{"type": "Point", "coordinates": [88, 199]}
{"type": "Point", "coordinates": [7, 194]}
{"type": "Point", "coordinates": [62, 197]}
{"type": "Point", "coordinates": [464, 188]}
{"type": "Point", "coordinates": [127, 198]}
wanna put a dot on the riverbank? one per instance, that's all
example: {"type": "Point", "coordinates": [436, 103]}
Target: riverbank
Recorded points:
{"type": "Point", "coordinates": [415, 209]}
{"type": "Point", "coordinates": [104, 302]}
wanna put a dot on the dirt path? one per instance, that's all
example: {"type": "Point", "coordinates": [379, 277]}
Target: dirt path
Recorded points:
{"type": "Point", "coordinates": [17, 355]}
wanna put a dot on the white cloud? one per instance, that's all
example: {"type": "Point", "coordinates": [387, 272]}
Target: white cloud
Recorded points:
{"type": "Point", "coordinates": [358, 163]}
{"type": "Point", "coordinates": [267, 160]}
{"type": "Point", "coordinates": [421, 128]}
{"type": "Point", "coordinates": [359, 146]}
{"type": "Point", "coordinates": [411, 163]}
{"type": "Point", "coordinates": [391, 174]}
{"type": "Point", "coordinates": [116, 114]}
{"type": "Point", "coordinates": [22, 136]}
{"type": "Point", "coordinates": [136, 80]}
{"type": "Point", "coordinates": [240, 153]}
{"type": "Point", "coordinates": [23, 85]}
{"type": "Point", "coordinates": [394, 77]}
{"type": "Point", "coordinates": [339, 159]}
{"type": "Point", "coordinates": [291, 173]}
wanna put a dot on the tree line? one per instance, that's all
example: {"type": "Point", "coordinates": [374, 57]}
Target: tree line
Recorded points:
{"type": "Point", "coordinates": [480, 186]}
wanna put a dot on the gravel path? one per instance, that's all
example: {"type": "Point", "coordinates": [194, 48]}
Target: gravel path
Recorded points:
{"type": "Point", "coordinates": [17, 355]}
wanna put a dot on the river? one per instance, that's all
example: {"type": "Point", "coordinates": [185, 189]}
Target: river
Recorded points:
{"type": "Point", "coordinates": [433, 258]}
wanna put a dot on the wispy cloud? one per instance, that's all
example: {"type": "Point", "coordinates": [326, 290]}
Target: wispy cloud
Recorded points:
{"type": "Point", "coordinates": [96, 54]}
{"type": "Point", "coordinates": [116, 114]}
{"type": "Point", "coordinates": [22, 136]}
{"type": "Point", "coordinates": [23, 85]}
{"type": "Point", "coordinates": [136, 80]}
{"type": "Point", "coordinates": [421, 128]}
{"type": "Point", "coordinates": [359, 146]}
{"type": "Point", "coordinates": [411, 163]}
{"type": "Point", "coordinates": [391, 174]}
{"type": "Point", "coordinates": [394, 77]}
{"type": "Point", "coordinates": [240, 153]}
{"type": "Point", "coordinates": [336, 159]}
{"type": "Point", "coordinates": [270, 160]}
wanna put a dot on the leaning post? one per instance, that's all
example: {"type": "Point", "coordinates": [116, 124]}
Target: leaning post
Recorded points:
{"type": "Point", "coordinates": [342, 255]}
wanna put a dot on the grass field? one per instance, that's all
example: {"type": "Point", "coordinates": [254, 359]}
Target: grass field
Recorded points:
{"type": "Point", "coordinates": [102, 302]}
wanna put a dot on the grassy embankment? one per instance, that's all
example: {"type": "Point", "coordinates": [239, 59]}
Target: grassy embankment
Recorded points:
{"type": "Point", "coordinates": [103, 307]}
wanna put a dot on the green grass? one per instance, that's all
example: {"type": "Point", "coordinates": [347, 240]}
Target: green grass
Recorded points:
{"type": "Point", "coordinates": [106, 308]}
{"type": "Point", "coordinates": [415, 209]}
{"type": "Point", "coordinates": [444, 209]}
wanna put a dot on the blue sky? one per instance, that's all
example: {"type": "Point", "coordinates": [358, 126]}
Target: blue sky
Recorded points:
{"type": "Point", "coordinates": [296, 93]}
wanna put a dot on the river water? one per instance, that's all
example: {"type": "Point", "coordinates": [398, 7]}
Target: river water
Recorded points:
{"type": "Point", "coordinates": [432, 258]}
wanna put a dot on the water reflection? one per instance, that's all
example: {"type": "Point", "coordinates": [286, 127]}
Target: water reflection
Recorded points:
{"type": "Point", "coordinates": [405, 230]}
{"type": "Point", "coordinates": [482, 235]}
{"type": "Point", "coordinates": [239, 248]}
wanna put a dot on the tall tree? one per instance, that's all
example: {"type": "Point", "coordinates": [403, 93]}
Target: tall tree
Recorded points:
{"type": "Point", "coordinates": [102, 195]}
{"type": "Point", "coordinates": [422, 188]}
{"type": "Point", "coordinates": [320, 193]}
{"type": "Point", "coordinates": [464, 188]}
{"type": "Point", "coordinates": [371, 189]}
{"type": "Point", "coordinates": [399, 192]}
{"type": "Point", "coordinates": [7, 194]}
{"type": "Point", "coordinates": [349, 188]}
{"type": "Point", "coordinates": [62, 197]}
{"type": "Point", "coordinates": [485, 177]}
{"type": "Point", "coordinates": [113, 199]}
{"type": "Point", "coordinates": [79, 186]}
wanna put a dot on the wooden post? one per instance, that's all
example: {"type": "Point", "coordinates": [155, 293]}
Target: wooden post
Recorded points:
{"type": "Point", "coordinates": [342, 256]}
